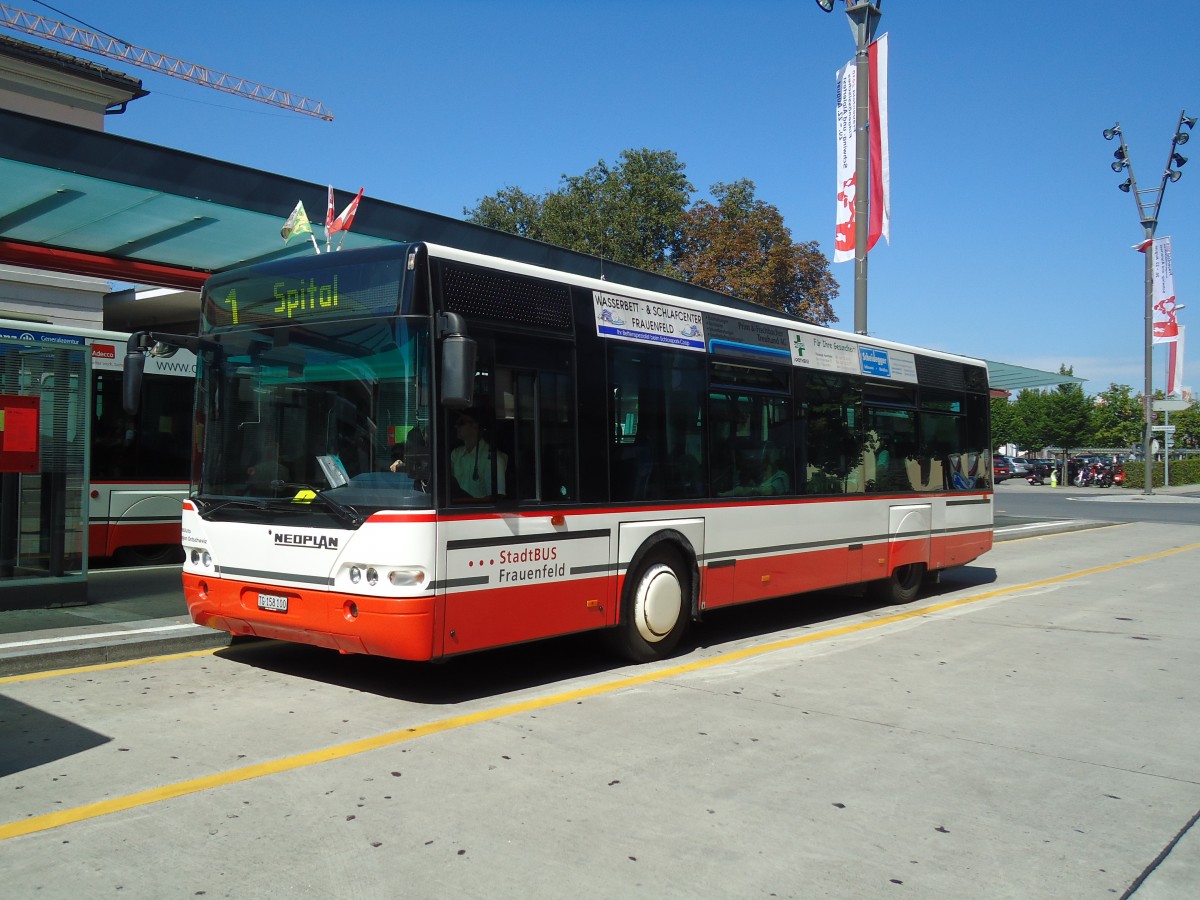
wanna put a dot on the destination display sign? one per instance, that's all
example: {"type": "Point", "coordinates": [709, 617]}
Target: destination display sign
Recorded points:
{"type": "Point", "coordinates": [272, 297]}
{"type": "Point", "coordinates": [647, 322]}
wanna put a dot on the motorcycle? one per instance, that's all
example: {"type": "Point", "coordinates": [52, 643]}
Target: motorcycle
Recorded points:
{"type": "Point", "coordinates": [1094, 475]}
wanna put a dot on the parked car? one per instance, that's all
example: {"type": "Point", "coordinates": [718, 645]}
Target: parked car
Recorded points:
{"type": "Point", "coordinates": [1041, 468]}
{"type": "Point", "coordinates": [1020, 468]}
{"type": "Point", "coordinates": [1001, 468]}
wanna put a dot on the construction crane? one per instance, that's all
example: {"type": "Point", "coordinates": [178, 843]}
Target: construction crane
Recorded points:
{"type": "Point", "coordinates": [103, 45]}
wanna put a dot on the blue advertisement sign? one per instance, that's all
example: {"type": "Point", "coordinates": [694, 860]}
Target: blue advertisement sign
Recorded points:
{"type": "Point", "coordinates": [875, 362]}
{"type": "Point", "coordinates": [41, 337]}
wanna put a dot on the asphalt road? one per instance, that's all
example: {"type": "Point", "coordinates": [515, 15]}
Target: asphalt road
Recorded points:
{"type": "Point", "coordinates": [1019, 502]}
{"type": "Point", "coordinates": [1029, 732]}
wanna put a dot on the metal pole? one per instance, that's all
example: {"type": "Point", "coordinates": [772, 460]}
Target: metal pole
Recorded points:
{"type": "Point", "coordinates": [862, 180]}
{"type": "Point", "coordinates": [1166, 448]}
{"type": "Point", "coordinates": [864, 18]}
{"type": "Point", "coordinates": [1148, 390]}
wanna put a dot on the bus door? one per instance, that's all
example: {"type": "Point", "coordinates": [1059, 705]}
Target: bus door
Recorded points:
{"type": "Point", "coordinates": [530, 569]}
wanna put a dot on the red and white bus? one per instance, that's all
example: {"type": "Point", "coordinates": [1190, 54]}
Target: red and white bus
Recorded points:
{"type": "Point", "coordinates": [417, 451]}
{"type": "Point", "coordinates": [138, 466]}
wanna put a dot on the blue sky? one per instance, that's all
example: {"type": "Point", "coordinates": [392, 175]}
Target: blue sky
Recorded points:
{"type": "Point", "coordinates": [1010, 239]}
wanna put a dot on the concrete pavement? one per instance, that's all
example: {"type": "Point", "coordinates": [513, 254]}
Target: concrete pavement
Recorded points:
{"type": "Point", "coordinates": [1027, 731]}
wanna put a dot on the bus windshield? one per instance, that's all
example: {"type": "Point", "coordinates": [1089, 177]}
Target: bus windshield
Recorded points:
{"type": "Point", "coordinates": [338, 409]}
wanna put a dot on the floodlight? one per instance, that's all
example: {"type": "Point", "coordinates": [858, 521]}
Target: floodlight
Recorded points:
{"type": "Point", "coordinates": [1124, 185]}
{"type": "Point", "coordinates": [1174, 174]}
{"type": "Point", "coordinates": [1178, 160]}
{"type": "Point", "coordinates": [1110, 133]}
{"type": "Point", "coordinates": [826, 5]}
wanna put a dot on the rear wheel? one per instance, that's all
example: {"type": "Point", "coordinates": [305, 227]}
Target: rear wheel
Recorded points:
{"type": "Point", "coordinates": [902, 586]}
{"type": "Point", "coordinates": [654, 610]}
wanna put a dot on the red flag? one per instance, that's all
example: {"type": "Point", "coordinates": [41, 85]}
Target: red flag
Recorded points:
{"type": "Point", "coordinates": [879, 176]}
{"type": "Point", "coordinates": [342, 222]}
{"type": "Point", "coordinates": [1175, 364]}
{"type": "Point", "coordinates": [329, 210]}
{"type": "Point", "coordinates": [880, 211]}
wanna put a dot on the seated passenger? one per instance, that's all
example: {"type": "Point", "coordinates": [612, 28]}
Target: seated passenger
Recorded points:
{"type": "Point", "coordinates": [471, 462]}
{"type": "Point", "coordinates": [771, 480]}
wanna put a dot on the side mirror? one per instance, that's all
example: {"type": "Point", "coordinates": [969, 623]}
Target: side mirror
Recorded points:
{"type": "Point", "coordinates": [135, 365]}
{"type": "Point", "coordinates": [458, 362]}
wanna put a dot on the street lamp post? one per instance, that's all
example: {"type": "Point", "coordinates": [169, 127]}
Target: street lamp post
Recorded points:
{"type": "Point", "coordinates": [864, 19]}
{"type": "Point", "coordinates": [1149, 202]}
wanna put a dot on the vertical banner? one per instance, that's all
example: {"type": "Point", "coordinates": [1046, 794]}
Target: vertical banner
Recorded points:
{"type": "Point", "coordinates": [1175, 365]}
{"type": "Point", "coordinates": [847, 98]}
{"type": "Point", "coordinates": [880, 180]}
{"type": "Point", "coordinates": [881, 177]}
{"type": "Point", "coordinates": [1162, 296]}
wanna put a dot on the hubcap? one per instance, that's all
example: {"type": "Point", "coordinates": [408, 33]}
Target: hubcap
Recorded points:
{"type": "Point", "coordinates": [659, 603]}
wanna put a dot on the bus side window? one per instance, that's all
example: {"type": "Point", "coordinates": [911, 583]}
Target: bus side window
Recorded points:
{"type": "Point", "coordinates": [832, 443]}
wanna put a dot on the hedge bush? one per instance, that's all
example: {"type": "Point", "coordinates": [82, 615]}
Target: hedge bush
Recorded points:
{"type": "Point", "coordinates": [1183, 471]}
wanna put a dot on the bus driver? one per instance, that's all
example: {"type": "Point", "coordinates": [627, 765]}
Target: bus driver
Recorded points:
{"type": "Point", "coordinates": [471, 462]}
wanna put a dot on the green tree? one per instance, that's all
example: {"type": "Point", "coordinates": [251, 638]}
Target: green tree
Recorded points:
{"type": "Point", "coordinates": [513, 210]}
{"type": "Point", "coordinates": [637, 213]}
{"type": "Point", "coordinates": [1031, 428]}
{"type": "Point", "coordinates": [1069, 414]}
{"type": "Point", "coordinates": [1117, 417]}
{"type": "Point", "coordinates": [630, 212]}
{"type": "Point", "coordinates": [740, 246]}
{"type": "Point", "coordinates": [1003, 422]}
{"type": "Point", "coordinates": [1187, 428]}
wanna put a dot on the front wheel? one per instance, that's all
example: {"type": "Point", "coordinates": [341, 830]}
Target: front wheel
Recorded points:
{"type": "Point", "coordinates": [902, 586]}
{"type": "Point", "coordinates": [654, 610]}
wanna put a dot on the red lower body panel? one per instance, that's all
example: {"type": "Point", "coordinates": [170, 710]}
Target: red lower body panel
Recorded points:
{"type": "Point", "coordinates": [399, 628]}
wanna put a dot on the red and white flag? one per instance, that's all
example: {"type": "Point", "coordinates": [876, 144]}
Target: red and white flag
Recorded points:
{"type": "Point", "coordinates": [1175, 365]}
{"type": "Point", "coordinates": [1162, 297]}
{"type": "Point", "coordinates": [329, 211]}
{"type": "Point", "coordinates": [880, 181]}
{"type": "Point", "coordinates": [342, 222]}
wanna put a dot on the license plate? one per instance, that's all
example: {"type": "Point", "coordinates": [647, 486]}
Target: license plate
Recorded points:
{"type": "Point", "coordinates": [275, 602]}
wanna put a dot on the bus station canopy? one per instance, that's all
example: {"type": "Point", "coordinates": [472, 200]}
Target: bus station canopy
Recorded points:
{"type": "Point", "coordinates": [1007, 377]}
{"type": "Point", "coordinates": [83, 201]}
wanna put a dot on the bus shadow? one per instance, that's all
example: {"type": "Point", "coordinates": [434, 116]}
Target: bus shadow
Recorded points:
{"type": "Point", "coordinates": [508, 670]}
{"type": "Point", "coordinates": [34, 738]}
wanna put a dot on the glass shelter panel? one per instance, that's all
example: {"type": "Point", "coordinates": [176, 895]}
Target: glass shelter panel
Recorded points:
{"type": "Point", "coordinates": [43, 461]}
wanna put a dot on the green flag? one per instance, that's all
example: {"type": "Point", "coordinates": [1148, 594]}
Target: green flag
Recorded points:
{"type": "Point", "coordinates": [297, 223]}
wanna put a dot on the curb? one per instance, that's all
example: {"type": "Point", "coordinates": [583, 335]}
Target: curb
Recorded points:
{"type": "Point", "coordinates": [67, 648]}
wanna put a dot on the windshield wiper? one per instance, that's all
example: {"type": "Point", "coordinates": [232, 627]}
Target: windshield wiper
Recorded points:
{"type": "Point", "coordinates": [253, 503]}
{"type": "Point", "coordinates": [346, 513]}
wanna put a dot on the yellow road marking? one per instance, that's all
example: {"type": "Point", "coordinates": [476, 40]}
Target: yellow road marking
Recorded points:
{"type": "Point", "coordinates": [45, 822]}
{"type": "Point", "coordinates": [104, 667]}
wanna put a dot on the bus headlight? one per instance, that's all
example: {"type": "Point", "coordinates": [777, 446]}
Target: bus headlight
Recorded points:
{"type": "Point", "coordinates": [406, 577]}
{"type": "Point", "coordinates": [372, 576]}
{"type": "Point", "coordinates": [355, 574]}
{"type": "Point", "coordinates": [200, 558]}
